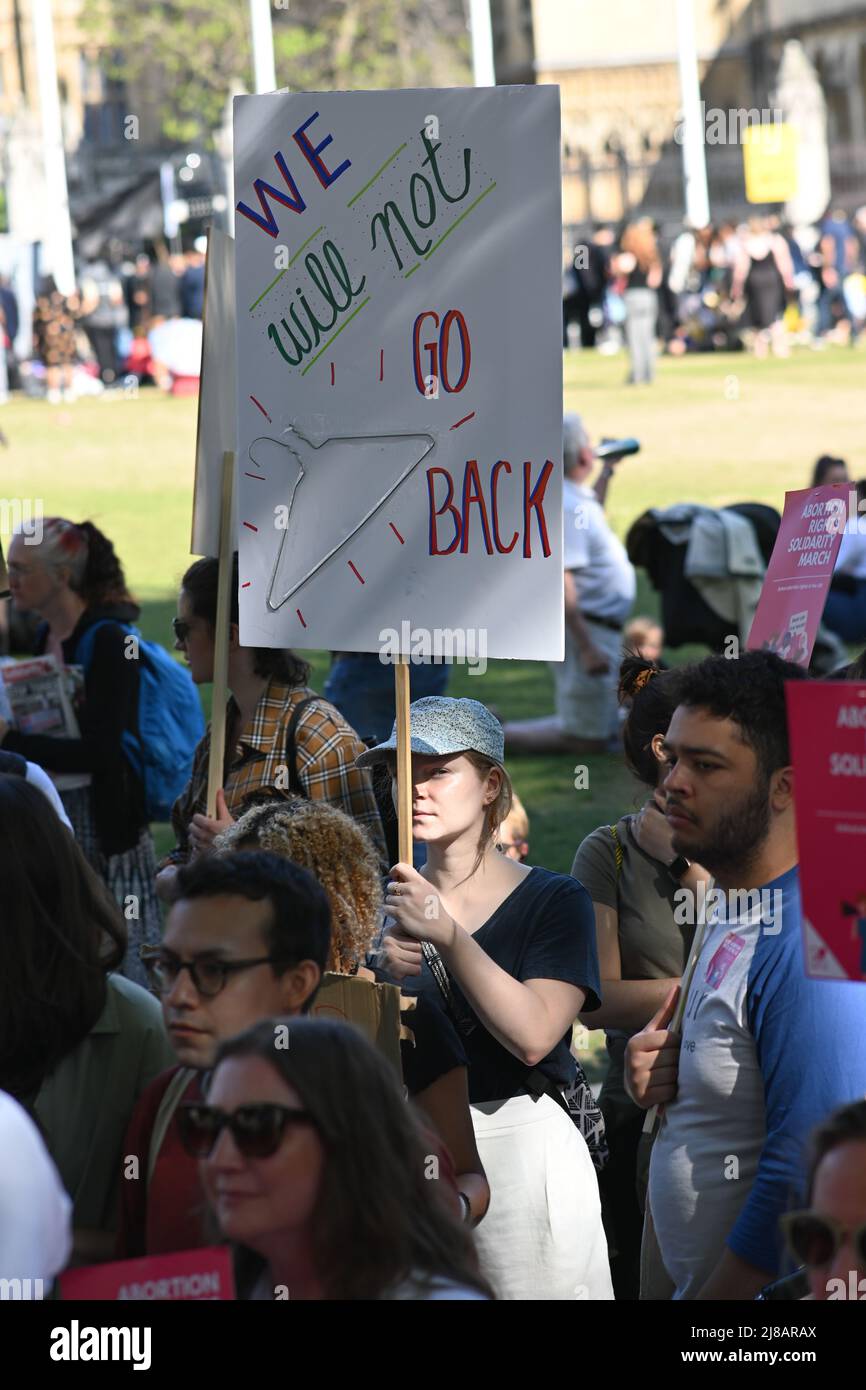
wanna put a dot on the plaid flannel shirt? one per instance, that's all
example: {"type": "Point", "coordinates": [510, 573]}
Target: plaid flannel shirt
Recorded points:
{"type": "Point", "coordinates": [326, 748]}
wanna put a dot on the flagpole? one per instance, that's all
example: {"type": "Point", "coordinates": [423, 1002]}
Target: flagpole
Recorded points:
{"type": "Point", "coordinates": [264, 73]}
{"type": "Point", "coordinates": [481, 29]}
{"type": "Point", "coordinates": [59, 260]}
{"type": "Point", "coordinates": [697, 198]}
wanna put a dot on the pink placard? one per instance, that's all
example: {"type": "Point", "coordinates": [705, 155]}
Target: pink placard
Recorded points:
{"type": "Point", "coordinates": [189, 1275]}
{"type": "Point", "coordinates": [800, 569]}
{"type": "Point", "coordinates": [827, 724]}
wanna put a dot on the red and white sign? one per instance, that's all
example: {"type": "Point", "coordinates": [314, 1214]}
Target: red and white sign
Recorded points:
{"type": "Point", "coordinates": [827, 725]}
{"type": "Point", "coordinates": [799, 573]}
{"type": "Point", "coordinates": [399, 367]}
{"type": "Point", "coordinates": [191, 1275]}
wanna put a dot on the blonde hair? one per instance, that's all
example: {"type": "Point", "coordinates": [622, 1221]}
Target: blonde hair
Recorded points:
{"type": "Point", "coordinates": [499, 807]}
{"type": "Point", "coordinates": [638, 630]}
{"type": "Point", "coordinates": [337, 851]}
{"type": "Point", "coordinates": [517, 820]}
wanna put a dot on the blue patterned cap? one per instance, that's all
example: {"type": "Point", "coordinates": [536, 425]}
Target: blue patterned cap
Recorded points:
{"type": "Point", "coordinates": [439, 725]}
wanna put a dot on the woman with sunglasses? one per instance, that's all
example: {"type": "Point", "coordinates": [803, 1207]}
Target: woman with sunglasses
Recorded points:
{"type": "Point", "coordinates": [830, 1237]}
{"type": "Point", "coordinates": [338, 854]}
{"type": "Point", "coordinates": [514, 963]}
{"type": "Point", "coordinates": [635, 881]}
{"type": "Point", "coordinates": [317, 1172]}
{"type": "Point", "coordinates": [279, 733]}
{"type": "Point", "coordinates": [72, 578]}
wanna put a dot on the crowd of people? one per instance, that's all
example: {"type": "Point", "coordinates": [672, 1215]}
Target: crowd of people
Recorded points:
{"type": "Point", "coordinates": [104, 333]}
{"type": "Point", "coordinates": [760, 284]}
{"type": "Point", "coordinates": [166, 1081]}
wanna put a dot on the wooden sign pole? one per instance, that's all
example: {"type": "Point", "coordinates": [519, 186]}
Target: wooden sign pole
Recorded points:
{"type": "Point", "coordinates": [404, 762]}
{"type": "Point", "coordinates": [221, 639]}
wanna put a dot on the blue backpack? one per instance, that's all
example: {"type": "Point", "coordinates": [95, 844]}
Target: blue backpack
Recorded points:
{"type": "Point", "coordinates": [170, 721]}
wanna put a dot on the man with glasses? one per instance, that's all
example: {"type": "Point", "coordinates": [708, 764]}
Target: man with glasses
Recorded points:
{"type": "Point", "coordinates": [247, 938]}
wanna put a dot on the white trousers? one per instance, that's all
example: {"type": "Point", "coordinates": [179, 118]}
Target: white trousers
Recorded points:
{"type": "Point", "coordinates": [542, 1237]}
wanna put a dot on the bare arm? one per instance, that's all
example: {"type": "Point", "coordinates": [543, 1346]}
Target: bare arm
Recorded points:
{"type": "Point", "coordinates": [446, 1104]}
{"type": "Point", "coordinates": [527, 1017]}
{"type": "Point", "coordinates": [600, 485]}
{"type": "Point", "coordinates": [625, 1004]}
{"type": "Point", "coordinates": [734, 1279]}
{"type": "Point", "coordinates": [741, 270]}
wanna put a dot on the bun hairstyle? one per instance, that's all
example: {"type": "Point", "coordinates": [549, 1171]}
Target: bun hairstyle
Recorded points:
{"type": "Point", "coordinates": [651, 695]}
{"type": "Point", "coordinates": [95, 572]}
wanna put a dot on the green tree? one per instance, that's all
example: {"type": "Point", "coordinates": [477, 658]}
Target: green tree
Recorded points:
{"type": "Point", "coordinates": [181, 58]}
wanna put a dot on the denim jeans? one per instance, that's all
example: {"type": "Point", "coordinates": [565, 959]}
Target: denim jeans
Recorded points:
{"type": "Point", "coordinates": [362, 688]}
{"type": "Point", "coordinates": [642, 309]}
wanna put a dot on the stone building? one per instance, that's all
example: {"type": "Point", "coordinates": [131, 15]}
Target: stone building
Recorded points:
{"type": "Point", "coordinates": [616, 64]}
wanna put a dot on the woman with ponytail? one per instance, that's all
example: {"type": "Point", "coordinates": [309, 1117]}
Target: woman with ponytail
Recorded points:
{"type": "Point", "coordinates": [72, 578]}
{"type": "Point", "coordinates": [636, 883]}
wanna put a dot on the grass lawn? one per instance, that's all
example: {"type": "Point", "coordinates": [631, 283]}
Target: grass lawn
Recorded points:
{"type": "Point", "coordinates": [714, 429]}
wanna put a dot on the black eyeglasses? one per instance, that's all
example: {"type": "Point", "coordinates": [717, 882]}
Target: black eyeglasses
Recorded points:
{"type": "Point", "coordinates": [815, 1240]}
{"type": "Point", "coordinates": [180, 628]}
{"type": "Point", "coordinates": [256, 1129]}
{"type": "Point", "coordinates": [208, 976]}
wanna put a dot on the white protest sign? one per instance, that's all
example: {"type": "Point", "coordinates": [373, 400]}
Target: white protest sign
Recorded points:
{"type": "Point", "coordinates": [217, 399]}
{"type": "Point", "coordinates": [399, 320]}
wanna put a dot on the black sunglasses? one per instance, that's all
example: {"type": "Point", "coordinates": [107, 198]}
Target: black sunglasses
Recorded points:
{"type": "Point", "coordinates": [208, 975]}
{"type": "Point", "coordinates": [180, 628]}
{"type": "Point", "coordinates": [815, 1240]}
{"type": "Point", "coordinates": [256, 1129]}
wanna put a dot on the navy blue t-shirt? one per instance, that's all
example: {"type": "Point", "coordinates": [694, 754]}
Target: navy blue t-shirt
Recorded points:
{"type": "Point", "coordinates": [545, 930]}
{"type": "Point", "coordinates": [437, 1048]}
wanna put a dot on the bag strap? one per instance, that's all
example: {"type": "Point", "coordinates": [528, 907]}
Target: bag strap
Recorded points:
{"type": "Point", "coordinates": [292, 746]}
{"type": "Point", "coordinates": [617, 849]}
{"type": "Point", "coordinates": [462, 1019]}
{"type": "Point", "coordinates": [84, 646]}
{"type": "Point", "coordinates": [171, 1098]}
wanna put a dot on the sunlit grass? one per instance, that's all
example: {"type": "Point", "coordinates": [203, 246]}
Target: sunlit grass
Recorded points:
{"type": "Point", "coordinates": [713, 429]}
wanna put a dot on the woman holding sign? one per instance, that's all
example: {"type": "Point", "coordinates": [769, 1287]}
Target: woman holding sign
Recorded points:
{"type": "Point", "coordinates": [279, 732]}
{"type": "Point", "coordinates": [510, 951]}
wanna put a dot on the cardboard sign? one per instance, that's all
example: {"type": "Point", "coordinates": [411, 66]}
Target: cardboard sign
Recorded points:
{"type": "Point", "coordinates": [770, 163]}
{"type": "Point", "coordinates": [799, 573]}
{"type": "Point", "coordinates": [373, 1008]}
{"type": "Point", "coordinates": [827, 725]}
{"type": "Point", "coordinates": [400, 368]}
{"type": "Point", "coordinates": [217, 399]}
{"type": "Point", "coordinates": [191, 1275]}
